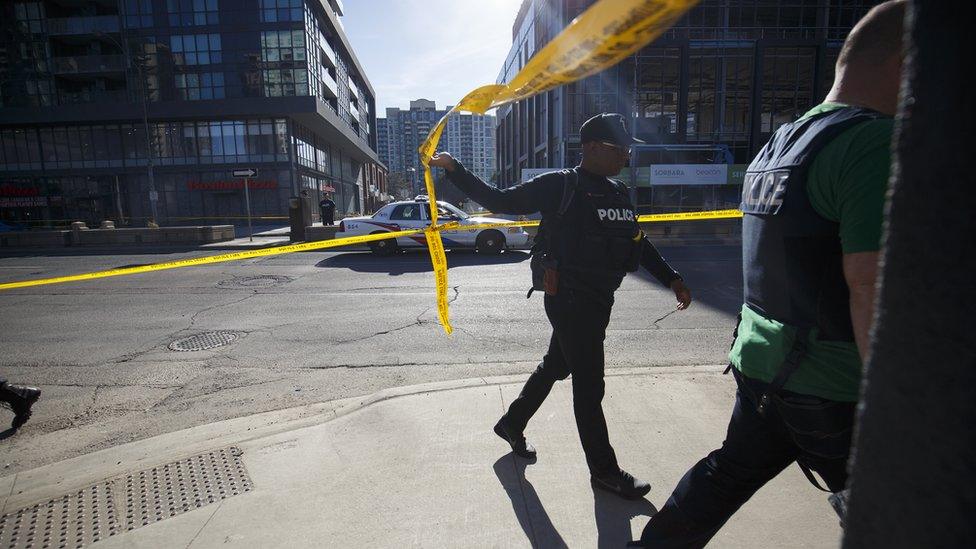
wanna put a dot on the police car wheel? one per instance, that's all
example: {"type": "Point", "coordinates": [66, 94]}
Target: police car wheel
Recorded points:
{"type": "Point", "coordinates": [490, 242]}
{"type": "Point", "coordinates": [383, 247]}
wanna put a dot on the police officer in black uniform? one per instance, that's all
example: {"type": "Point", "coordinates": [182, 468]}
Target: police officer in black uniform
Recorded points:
{"type": "Point", "coordinates": [588, 240]}
{"type": "Point", "coordinates": [327, 208]}
{"type": "Point", "coordinates": [808, 292]}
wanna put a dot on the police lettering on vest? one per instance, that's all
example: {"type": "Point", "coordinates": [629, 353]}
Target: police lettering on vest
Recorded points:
{"type": "Point", "coordinates": [762, 193]}
{"type": "Point", "coordinates": [615, 214]}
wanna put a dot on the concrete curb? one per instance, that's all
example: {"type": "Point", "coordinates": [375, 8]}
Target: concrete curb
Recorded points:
{"type": "Point", "coordinates": [36, 485]}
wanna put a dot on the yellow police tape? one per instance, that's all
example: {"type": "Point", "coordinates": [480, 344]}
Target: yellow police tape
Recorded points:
{"type": "Point", "coordinates": [301, 247]}
{"type": "Point", "coordinates": [602, 36]}
{"type": "Point", "coordinates": [338, 243]}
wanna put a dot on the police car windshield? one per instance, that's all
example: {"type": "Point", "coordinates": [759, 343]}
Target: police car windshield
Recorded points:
{"type": "Point", "coordinates": [445, 209]}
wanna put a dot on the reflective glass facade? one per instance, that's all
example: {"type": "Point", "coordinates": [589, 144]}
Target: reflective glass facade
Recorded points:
{"type": "Point", "coordinates": [712, 89]}
{"type": "Point", "coordinates": [95, 96]}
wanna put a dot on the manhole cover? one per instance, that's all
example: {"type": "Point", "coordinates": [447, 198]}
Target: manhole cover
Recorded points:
{"type": "Point", "coordinates": [262, 281]}
{"type": "Point", "coordinates": [204, 341]}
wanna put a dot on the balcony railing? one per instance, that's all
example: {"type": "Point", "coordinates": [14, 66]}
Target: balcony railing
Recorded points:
{"type": "Point", "coordinates": [93, 96]}
{"type": "Point", "coordinates": [329, 85]}
{"type": "Point", "coordinates": [354, 111]}
{"type": "Point", "coordinates": [87, 64]}
{"type": "Point", "coordinates": [83, 25]}
{"type": "Point", "coordinates": [330, 56]}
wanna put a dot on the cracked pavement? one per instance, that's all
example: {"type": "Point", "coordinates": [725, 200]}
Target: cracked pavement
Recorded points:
{"type": "Point", "coordinates": [337, 325]}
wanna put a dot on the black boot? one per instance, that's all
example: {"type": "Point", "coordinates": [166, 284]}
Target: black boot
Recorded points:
{"type": "Point", "coordinates": [621, 483]}
{"type": "Point", "coordinates": [515, 439]}
{"type": "Point", "coordinates": [20, 400]}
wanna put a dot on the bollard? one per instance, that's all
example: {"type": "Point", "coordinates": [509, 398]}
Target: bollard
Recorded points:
{"type": "Point", "coordinates": [107, 224]}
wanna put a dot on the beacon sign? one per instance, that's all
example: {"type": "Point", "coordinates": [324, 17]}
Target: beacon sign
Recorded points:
{"type": "Point", "coordinates": [689, 174]}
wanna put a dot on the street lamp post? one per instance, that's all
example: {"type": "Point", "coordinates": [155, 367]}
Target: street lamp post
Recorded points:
{"type": "Point", "coordinates": [153, 195]}
{"type": "Point", "coordinates": [414, 186]}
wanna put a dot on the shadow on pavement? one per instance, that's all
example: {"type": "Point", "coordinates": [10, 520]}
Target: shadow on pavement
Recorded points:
{"type": "Point", "coordinates": [613, 516]}
{"type": "Point", "coordinates": [531, 514]}
{"type": "Point", "coordinates": [416, 261]}
{"type": "Point", "coordinates": [712, 273]}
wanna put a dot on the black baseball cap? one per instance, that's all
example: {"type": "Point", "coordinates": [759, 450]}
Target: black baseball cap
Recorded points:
{"type": "Point", "coordinates": [607, 127]}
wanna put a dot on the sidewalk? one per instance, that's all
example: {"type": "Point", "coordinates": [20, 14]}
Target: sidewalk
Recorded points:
{"type": "Point", "coordinates": [416, 466]}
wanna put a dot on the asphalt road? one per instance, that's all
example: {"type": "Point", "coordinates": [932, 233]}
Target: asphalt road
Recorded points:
{"type": "Point", "coordinates": [310, 327]}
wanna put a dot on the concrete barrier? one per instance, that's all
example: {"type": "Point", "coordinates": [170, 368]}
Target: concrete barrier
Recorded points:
{"type": "Point", "coordinates": [83, 236]}
{"type": "Point", "coordinates": [314, 233]}
{"type": "Point", "coordinates": [35, 239]}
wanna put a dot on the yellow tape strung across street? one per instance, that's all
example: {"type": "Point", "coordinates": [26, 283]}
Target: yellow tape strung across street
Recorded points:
{"type": "Point", "coordinates": [602, 36]}
{"type": "Point", "coordinates": [291, 248]}
{"type": "Point", "coordinates": [338, 243]}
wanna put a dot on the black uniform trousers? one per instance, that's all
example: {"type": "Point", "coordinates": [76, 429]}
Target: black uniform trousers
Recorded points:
{"type": "Point", "coordinates": [328, 216]}
{"type": "Point", "coordinates": [579, 321]}
{"type": "Point", "coordinates": [796, 427]}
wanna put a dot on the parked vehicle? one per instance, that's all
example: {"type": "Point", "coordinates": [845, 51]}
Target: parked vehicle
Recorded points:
{"type": "Point", "coordinates": [415, 214]}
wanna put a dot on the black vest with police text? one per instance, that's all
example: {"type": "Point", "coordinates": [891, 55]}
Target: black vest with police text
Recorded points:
{"type": "Point", "coordinates": [791, 255]}
{"type": "Point", "coordinates": [599, 236]}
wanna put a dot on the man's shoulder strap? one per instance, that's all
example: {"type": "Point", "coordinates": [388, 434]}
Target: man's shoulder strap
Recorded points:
{"type": "Point", "coordinates": [570, 182]}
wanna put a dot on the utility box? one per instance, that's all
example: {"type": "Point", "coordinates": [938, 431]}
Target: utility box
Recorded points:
{"type": "Point", "coordinates": [299, 216]}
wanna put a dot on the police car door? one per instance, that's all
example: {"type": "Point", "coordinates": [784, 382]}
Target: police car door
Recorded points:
{"type": "Point", "coordinates": [454, 237]}
{"type": "Point", "coordinates": [409, 216]}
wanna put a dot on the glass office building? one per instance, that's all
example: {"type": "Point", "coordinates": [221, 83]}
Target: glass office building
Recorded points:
{"type": "Point", "coordinates": [711, 90]}
{"type": "Point", "coordinates": [108, 106]}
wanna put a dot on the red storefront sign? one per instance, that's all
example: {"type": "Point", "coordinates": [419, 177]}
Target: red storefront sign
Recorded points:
{"type": "Point", "coordinates": [6, 189]}
{"type": "Point", "coordinates": [230, 185]}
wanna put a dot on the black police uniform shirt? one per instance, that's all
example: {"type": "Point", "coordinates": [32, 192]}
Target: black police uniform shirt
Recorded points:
{"type": "Point", "coordinates": [544, 194]}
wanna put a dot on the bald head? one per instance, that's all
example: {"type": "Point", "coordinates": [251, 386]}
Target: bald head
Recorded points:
{"type": "Point", "coordinates": [868, 71]}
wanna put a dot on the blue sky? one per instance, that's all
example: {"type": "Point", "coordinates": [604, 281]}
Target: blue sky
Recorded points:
{"type": "Point", "coordinates": [434, 49]}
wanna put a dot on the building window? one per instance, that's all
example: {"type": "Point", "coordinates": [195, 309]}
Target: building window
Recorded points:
{"type": "Point", "coordinates": [787, 86]}
{"type": "Point", "coordinates": [138, 14]}
{"type": "Point", "coordinates": [204, 85]}
{"type": "Point", "coordinates": [285, 82]}
{"type": "Point", "coordinates": [29, 16]}
{"type": "Point", "coordinates": [285, 45]}
{"type": "Point", "coordinates": [281, 10]}
{"type": "Point", "coordinates": [195, 49]}
{"type": "Point", "coordinates": [184, 13]}
{"type": "Point", "coordinates": [39, 93]}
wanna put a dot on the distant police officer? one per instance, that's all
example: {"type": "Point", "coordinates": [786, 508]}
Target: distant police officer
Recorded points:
{"type": "Point", "coordinates": [588, 240]}
{"type": "Point", "coordinates": [327, 208]}
{"type": "Point", "coordinates": [813, 201]}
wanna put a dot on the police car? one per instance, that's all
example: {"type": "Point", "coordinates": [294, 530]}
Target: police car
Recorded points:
{"type": "Point", "coordinates": [415, 214]}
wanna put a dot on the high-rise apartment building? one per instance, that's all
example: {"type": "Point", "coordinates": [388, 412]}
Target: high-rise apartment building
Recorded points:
{"type": "Point", "coordinates": [135, 109]}
{"type": "Point", "coordinates": [711, 90]}
{"type": "Point", "coordinates": [469, 137]}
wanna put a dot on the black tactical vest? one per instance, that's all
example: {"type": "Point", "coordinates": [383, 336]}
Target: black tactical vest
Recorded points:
{"type": "Point", "coordinates": [597, 235]}
{"type": "Point", "coordinates": [791, 256]}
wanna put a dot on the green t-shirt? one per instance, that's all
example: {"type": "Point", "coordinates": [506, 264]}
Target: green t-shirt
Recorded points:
{"type": "Point", "coordinates": [846, 183]}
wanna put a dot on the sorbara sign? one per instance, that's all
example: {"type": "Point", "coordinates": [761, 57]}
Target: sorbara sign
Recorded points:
{"type": "Point", "coordinates": [689, 174]}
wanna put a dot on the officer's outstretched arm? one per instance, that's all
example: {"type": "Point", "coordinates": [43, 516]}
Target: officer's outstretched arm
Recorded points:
{"type": "Point", "coordinates": [527, 198]}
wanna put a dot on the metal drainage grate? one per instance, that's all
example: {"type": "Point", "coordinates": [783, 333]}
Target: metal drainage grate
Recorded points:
{"type": "Point", "coordinates": [204, 341]}
{"type": "Point", "coordinates": [89, 515]}
{"type": "Point", "coordinates": [262, 281]}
